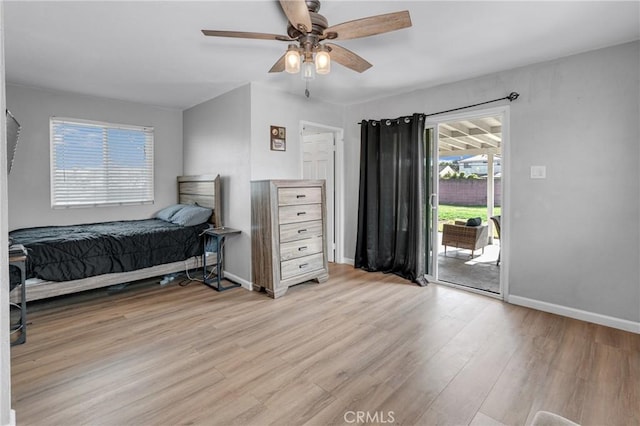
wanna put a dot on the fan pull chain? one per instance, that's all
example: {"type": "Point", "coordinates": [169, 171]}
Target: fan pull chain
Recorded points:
{"type": "Point", "coordinates": [306, 89]}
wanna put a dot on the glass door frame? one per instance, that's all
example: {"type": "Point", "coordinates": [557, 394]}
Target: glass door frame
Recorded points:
{"type": "Point", "coordinates": [432, 244]}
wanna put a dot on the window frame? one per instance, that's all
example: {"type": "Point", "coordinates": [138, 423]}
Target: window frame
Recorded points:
{"type": "Point", "coordinates": [149, 151]}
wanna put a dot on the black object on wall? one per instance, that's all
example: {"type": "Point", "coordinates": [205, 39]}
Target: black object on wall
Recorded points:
{"type": "Point", "coordinates": [510, 97]}
{"type": "Point", "coordinates": [13, 132]}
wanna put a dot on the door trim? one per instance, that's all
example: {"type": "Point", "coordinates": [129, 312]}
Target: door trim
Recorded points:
{"type": "Point", "coordinates": [338, 182]}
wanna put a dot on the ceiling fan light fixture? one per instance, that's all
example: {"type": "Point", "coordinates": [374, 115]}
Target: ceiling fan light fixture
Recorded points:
{"type": "Point", "coordinates": [307, 29]}
{"type": "Point", "coordinates": [323, 60]}
{"type": "Point", "coordinates": [292, 59]}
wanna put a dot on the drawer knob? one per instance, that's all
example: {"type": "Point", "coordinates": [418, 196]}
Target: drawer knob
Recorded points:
{"type": "Point", "coordinates": [302, 248]}
{"type": "Point", "coordinates": [303, 265]}
{"type": "Point", "coordinates": [301, 213]}
{"type": "Point", "coordinates": [300, 196]}
{"type": "Point", "coordinates": [300, 231]}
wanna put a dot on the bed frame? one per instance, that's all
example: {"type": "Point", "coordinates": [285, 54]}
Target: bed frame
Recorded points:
{"type": "Point", "coordinates": [201, 189]}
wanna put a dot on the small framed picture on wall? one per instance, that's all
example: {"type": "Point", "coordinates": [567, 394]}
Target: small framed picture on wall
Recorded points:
{"type": "Point", "coordinates": [278, 138]}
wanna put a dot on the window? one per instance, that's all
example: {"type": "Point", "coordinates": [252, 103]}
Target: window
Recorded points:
{"type": "Point", "coordinates": [94, 163]}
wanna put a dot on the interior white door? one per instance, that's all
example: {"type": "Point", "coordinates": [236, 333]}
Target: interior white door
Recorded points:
{"type": "Point", "coordinates": [318, 162]}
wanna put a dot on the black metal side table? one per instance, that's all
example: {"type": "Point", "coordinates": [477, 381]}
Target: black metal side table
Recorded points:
{"type": "Point", "coordinates": [217, 236]}
{"type": "Point", "coordinates": [20, 262]}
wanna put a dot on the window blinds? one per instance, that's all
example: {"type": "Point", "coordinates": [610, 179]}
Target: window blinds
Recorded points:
{"type": "Point", "coordinates": [95, 163]}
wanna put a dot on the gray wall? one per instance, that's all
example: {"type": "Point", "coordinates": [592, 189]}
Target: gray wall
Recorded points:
{"type": "Point", "coordinates": [229, 135]}
{"type": "Point", "coordinates": [29, 181]}
{"type": "Point", "coordinates": [270, 107]}
{"type": "Point", "coordinates": [575, 236]}
{"type": "Point", "coordinates": [217, 140]}
{"type": "Point", "coordinates": [5, 352]}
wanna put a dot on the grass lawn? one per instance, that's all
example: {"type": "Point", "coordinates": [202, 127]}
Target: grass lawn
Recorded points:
{"type": "Point", "coordinates": [449, 214]}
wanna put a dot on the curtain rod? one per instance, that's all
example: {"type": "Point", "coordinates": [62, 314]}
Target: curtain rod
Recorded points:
{"type": "Point", "coordinates": [511, 97]}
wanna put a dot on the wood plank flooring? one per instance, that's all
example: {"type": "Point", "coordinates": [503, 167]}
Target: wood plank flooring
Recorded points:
{"type": "Point", "coordinates": [361, 344]}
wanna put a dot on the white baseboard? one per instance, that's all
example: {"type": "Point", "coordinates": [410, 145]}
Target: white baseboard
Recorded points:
{"type": "Point", "coordinates": [347, 261]}
{"type": "Point", "coordinates": [566, 311]}
{"type": "Point", "coordinates": [236, 279]}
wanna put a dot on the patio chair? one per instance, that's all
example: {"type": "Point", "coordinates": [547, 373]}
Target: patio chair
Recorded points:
{"type": "Point", "coordinates": [466, 237]}
{"type": "Point", "coordinates": [496, 222]}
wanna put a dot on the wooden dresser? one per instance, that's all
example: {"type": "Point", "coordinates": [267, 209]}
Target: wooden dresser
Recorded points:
{"type": "Point", "coordinates": [288, 234]}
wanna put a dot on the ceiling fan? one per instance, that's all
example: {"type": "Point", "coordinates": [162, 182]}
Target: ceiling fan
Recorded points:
{"type": "Point", "coordinates": [307, 32]}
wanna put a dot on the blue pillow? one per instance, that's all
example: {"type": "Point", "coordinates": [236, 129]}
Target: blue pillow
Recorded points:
{"type": "Point", "coordinates": [190, 215]}
{"type": "Point", "coordinates": [167, 213]}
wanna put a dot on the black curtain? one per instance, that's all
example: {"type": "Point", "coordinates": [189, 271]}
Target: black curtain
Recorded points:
{"type": "Point", "coordinates": [392, 213]}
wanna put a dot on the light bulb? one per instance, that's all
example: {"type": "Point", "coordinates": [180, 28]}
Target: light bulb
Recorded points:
{"type": "Point", "coordinates": [308, 70]}
{"type": "Point", "coordinates": [292, 60]}
{"type": "Point", "coordinates": [323, 61]}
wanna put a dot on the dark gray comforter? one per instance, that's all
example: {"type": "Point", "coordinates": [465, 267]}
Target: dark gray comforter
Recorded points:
{"type": "Point", "coordinates": [64, 253]}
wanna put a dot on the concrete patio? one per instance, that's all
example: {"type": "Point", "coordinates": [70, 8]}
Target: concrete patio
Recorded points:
{"type": "Point", "coordinates": [479, 272]}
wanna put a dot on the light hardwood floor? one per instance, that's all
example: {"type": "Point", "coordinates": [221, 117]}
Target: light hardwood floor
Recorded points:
{"type": "Point", "coordinates": [360, 342]}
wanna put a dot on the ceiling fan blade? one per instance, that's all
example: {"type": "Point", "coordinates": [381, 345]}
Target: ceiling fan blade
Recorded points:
{"type": "Point", "coordinates": [243, 34]}
{"type": "Point", "coordinates": [297, 13]}
{"type": "Point", "coordinates": [372, 25]}
{"type": "Point", "coordinates": [279, 65]}
{"type": "Point", "coordinates": [347, 58]}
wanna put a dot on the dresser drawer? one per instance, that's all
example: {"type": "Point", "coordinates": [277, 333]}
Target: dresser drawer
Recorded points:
{"type": "Point", "coordinates": [303, 195]}
{"type": "Point", "coordinates": [301, 265]}
{"type": "Point", "coordinates": [301, 213]}
{"type": "Point", "coordinates": [300, 230]}
{"type": "Point", "coordinates": [300, 248]}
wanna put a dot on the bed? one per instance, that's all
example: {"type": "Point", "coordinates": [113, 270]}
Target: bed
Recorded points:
{"type": "Point", "coordinates": [69, 259]}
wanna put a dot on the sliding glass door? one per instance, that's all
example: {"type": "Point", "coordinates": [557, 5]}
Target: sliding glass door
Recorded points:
{"type": "Point", "coordinates": [464, 174]}
{"type": "Point", "coordinates": [431, 210]}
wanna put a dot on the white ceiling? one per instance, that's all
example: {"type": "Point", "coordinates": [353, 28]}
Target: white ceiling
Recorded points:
{"type": "Point", "coordinates": [154, 53]}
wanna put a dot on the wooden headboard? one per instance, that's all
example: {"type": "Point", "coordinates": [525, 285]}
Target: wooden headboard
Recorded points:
{"type": "Point", "coordinates": [203, 190]}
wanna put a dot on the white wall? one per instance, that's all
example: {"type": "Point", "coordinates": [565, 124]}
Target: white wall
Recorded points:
{"type": "Point", "coordinates": [270, 107]}
{"type": "Point", "coordinates": [217, 140]}
{"type": "Point", "coordinates": [575, 236]}
{"type": "Point", "coordinates": [29, 182]}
